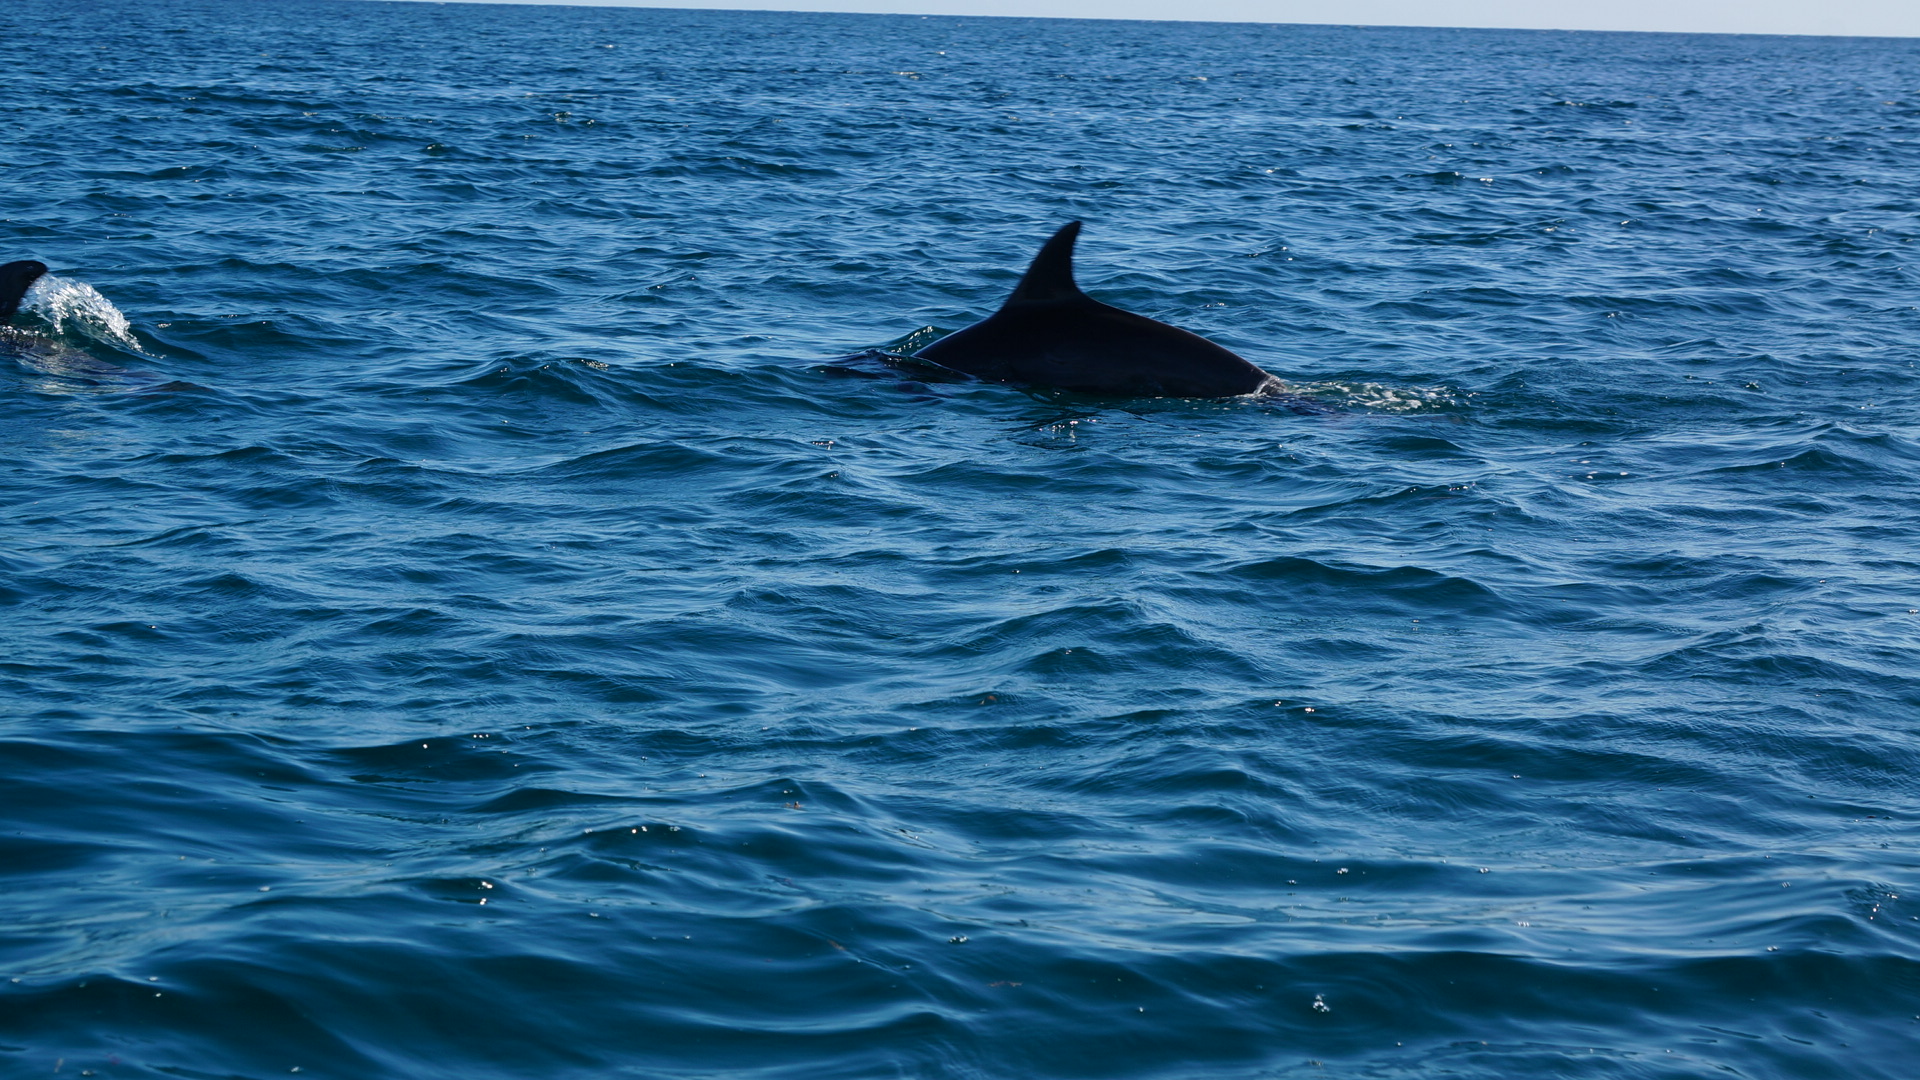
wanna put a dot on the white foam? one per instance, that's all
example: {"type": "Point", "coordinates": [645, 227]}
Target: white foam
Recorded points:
{"type": "Point", "coordinates": [1378, 395]}
{"type": "Point", "coordinates": [77, 307]}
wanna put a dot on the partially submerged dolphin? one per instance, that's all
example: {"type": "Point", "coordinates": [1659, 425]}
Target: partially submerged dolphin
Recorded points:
{"type": "Point", "coordinates": [50, 356]}
{"type": "Point", "coordinates": [15, 279]}
{"type": "Point", "coordinates": [1049, 333]}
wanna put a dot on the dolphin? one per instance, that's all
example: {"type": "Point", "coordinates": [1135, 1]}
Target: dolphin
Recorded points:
{"type": "Point", "coordinates": [48, 356]}
{"type": "Point", "coordinates": [15, 279]}
{"type": "Point", "coordinates": [1049, 333]}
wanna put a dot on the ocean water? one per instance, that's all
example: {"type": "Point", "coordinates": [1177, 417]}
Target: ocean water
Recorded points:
{"type": "Point", "coordinates": [477, 601]}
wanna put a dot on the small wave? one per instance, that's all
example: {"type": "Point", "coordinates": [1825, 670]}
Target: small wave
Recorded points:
{"type": "Point", "coordinates": [1378, 396]}
{"type": "Point", "coordinates": [77, 307]}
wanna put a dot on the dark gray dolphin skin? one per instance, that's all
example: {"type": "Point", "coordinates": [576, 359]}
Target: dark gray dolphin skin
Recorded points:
{"type": "Point", "coordinates": [15, 279]}
{"type": "Point", "coordinates": [1049, 333]}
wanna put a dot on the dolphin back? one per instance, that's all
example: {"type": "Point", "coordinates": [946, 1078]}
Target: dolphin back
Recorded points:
{"type": "Point", "coordinates": [15, 279]}
{"type": "Point", "coordinates": [1049, 333]}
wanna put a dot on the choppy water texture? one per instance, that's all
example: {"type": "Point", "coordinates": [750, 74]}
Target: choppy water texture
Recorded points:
{"type": "Point", "coordinates": [474, 621]}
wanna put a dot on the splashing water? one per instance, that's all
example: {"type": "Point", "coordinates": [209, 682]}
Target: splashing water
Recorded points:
{"type": "Point", "coordinates": [1378, 396]}
{"type": "Point", "coordinates": [78, 306]}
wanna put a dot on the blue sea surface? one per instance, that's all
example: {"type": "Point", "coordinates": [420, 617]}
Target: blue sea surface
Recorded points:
{"type": "Point", "coordinates": [477, 599]}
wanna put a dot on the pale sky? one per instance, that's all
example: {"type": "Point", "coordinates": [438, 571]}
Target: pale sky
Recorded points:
{"type": "Point", "coordinates": [1884, 18]}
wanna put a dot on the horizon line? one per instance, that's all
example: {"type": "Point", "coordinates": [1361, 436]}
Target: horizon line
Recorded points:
{"type": "Point", "coordinates": [884, 8]}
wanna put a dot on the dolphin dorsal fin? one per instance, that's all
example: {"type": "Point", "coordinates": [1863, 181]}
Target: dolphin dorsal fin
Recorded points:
{"type": "Point", "coordinates": [15, 279]}
{"type": "Point", "coordinates": [1050, 278]}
